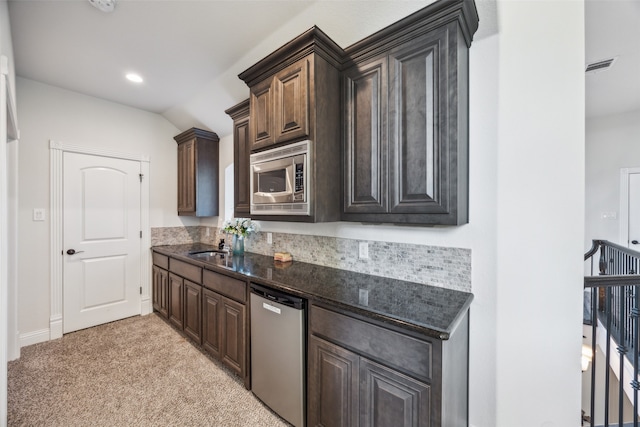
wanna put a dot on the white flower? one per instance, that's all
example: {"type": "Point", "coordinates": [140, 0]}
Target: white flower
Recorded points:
{"type": "Point", "coordinates": [240, 226]}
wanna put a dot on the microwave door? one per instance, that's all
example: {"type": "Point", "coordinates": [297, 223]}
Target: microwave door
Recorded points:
{"type": "Point", "coordinates": [272, 182]}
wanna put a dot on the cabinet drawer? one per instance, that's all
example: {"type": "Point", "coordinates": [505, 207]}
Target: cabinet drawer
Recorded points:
{"type": "Point", "coordinates": [160, 260]}
{"type": "Point", "coordinates": [225, 285]}
{"type": "Point", "coordinates": [402, 352]}
{"type": "Point", "coordinates": [186, 270]}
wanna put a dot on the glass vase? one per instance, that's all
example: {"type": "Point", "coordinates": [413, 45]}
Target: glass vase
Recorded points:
{"type": "Point", "coordinates": [238, 244]}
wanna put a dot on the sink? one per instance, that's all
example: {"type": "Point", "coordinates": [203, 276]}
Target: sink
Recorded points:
{"type": "Point", "coordinates": [208, 253]}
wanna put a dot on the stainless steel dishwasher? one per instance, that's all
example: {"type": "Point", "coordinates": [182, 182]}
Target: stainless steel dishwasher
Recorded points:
{"type": "Point", "coordinates": [277, 352]}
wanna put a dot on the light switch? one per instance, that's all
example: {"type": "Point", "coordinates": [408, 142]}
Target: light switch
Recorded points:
{"type": "Point", "coordinates": [38, 214]}
{"type": "Point", "coordinates": [269, 238]}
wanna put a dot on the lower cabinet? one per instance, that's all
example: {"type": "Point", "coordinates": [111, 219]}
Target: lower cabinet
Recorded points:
{"type": "Point", "coordinates": [176, 289]}
{"type": "Point", "coordinates": [333, 385]}
{"type": "Point", "coordinates": [206, 306]}
{"type": "Point", "coordinates": [346, 389]}
{"type": "Point", "coordinates": [364, 374]}
{"type": "Point", "coordinates": [193, 311]}
{"type": "Point", "coordinates": [225, 322]}
{"type": "Point", "coordinates": [160, 291]}
{"type": "Point", "coordinates": [225, 330]}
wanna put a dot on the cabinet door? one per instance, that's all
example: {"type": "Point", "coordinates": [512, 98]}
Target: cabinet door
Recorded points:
{"type": "Point", "coordinates": [176, 285]}
{"type": "Point", "coordinates": [365, 139]}
{"type": "Point", "coordinates": [389, 398]}
{"type": "Point", "coordinates": [193, 311]}
{"type": "Point", "coordinates": [291, 90]}
{"type": "Point", "coordinates": [419, 105]}
{"type": "Point", "coordinates": [233, 349]}
{"type": "Point", "coordinates": [160, 290]}
{"type": "Point", "coordinates": [332, 385]}
{"type": "Point", "coordinates": [241, 152]}
{"type": "Point", "coordinates": [211, 328]}
{"type": "Point", "coordinates": [261, 107]}
{"type": "Point", "coordinates": [186, 178]}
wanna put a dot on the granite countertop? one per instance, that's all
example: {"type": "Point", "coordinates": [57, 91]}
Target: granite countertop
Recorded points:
{"type": "Point", "coordinates": [425, 309]}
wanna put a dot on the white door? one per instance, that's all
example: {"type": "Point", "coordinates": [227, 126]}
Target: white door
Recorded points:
{"type": "Point", "coordinates": [101, 203]}
{"type": "Point", "coordinates": [633, 240]}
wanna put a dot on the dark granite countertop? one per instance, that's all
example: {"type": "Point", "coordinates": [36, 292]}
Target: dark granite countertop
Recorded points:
{"type": "Point", "coordinates": [425, 309]}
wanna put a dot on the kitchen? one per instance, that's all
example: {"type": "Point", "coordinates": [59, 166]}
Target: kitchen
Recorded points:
{"type": "Point", "coordinates": [498, 354]}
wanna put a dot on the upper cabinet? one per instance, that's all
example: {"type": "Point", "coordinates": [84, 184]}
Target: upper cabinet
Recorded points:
{"type": "Point", "coordinates": [405, 111]}
{"type": "Point", "coordinates": [280, 106]}
{"type": "Point", "coordinates": [294, 95]}
{"type": "Point", "coordinates": [197, 173]}
{"type": "Point", "coordinates": [241, 151]}
{"type": "Point", "coordinates": [387, 117]}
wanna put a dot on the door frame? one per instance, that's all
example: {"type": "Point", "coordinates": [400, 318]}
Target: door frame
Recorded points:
{"type": "Point", "coordinates": [56, 151]}
{"type": "Point", "coordinates": [623, 238]}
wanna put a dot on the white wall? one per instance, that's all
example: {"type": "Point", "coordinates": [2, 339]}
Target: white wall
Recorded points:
{"type": "Point", "coordinates": [8, 154]}
{"type": "Point", "coordinates": [613, 143]}
{"type": "Point", "coordinates": [49, 113]}
{"type": "Point", "coordinates": [540, 212]}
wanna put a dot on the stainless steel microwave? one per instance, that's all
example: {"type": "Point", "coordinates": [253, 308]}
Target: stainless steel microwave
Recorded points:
{"type": "Point", "coordinates": [280, 180]}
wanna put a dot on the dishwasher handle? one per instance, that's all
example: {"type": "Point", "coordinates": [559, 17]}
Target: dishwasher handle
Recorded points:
{"type": "Point", "coordinates": [278, 296]}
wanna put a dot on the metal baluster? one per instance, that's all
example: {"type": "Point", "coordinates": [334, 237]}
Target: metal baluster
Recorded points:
{"type": "Point", "coordinates": [622, 350]}
{"type": "Point", "coordinates": [594, 323]}
{"type": "Point", "coordinates": [635, 313]}
{"type": "Point", "coordinates": [607, 357]}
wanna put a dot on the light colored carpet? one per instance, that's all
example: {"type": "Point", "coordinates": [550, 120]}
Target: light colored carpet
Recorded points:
{"type": "Point", "coordinates": [134, 372]}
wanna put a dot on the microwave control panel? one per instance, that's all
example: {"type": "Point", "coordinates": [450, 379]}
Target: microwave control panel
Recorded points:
{"type": "Point", "coordinates": [299, 182]}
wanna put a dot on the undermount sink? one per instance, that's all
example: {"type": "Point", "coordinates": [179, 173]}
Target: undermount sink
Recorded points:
{"type": "Point", "coordinates": [209, 253]}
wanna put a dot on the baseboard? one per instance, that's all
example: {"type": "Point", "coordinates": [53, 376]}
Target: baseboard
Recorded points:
{"type": "Point", "coordinates": [35, 337]}
{"type": "Point", "coordinates": [146, 307]}
{"type": "Point", "coordinates": [15, 354]}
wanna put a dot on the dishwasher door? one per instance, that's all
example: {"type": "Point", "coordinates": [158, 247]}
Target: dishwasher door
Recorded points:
{"type": "Point", "coordinates": [278, 352]}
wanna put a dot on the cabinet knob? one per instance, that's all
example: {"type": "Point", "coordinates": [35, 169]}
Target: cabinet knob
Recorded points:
{"type": "Point", "coordinates": [634, 242]}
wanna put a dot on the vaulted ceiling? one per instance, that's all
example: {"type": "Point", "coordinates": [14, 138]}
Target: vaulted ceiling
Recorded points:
{"type": "Point", "coordinates": [190, 51]}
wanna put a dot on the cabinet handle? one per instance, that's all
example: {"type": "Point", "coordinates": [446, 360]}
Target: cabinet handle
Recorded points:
{"type": "Point", "coordinates": [634, 242]}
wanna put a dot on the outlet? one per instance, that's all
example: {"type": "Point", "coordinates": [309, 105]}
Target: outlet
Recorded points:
{"type": "Point", "coordinates": [363, 297]}
{"type": "Point", "coordinates": [269, 238]}
{"type": "Point", "coordinates": [363, 250]}
{"type": "Point", "coordinates": [38, 214]}
{"type": "Point", "coordinates": [207, 232]}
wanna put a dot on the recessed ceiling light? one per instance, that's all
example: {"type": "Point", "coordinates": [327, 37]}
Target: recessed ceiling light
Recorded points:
{"type": "Point", "coordinates": [104, 5]}
{"type": "Point", "coordinates": [133, 77]}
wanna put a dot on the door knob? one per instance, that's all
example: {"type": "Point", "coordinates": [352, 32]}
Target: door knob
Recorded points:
{"type": "Point", "coordinates": [73, 252]}
{"type": "Point", "coordinates": [635, 242]}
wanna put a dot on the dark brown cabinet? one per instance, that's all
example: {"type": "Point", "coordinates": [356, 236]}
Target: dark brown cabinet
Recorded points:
{"type": "Point", "coordinates": [405, 130]}
{"type": "Point", "coordinates": [241, 152]}
{"type": "Point", "coordinates": [160, 291]}
{"type": "Point", "coordinates": [206, 306]}
{"type": "Point", "coordinates": [176, 290]}
{"type": "Point", "coordinates": [333, 384]}
{"type": "Point", "coordinates": [233, 350]}
{"type": "Point", "coordinates": [390, 398]}
{"type": "Point", "coordinates": [279, 106]}
{"type": "Point", "coordinates": [225, 330]}
{"type": "Point", "coordinates": [225, 321]}
{"type": "Point", "coordinates": [193, 311]}
{"type": "Point", "coordinates": [363, 374]}
{"type": "Point", "coordinates": [291, 106]}
{"type": "Point", "coordinates": [294, 95]}
{"type": "Point", "coordinates": [211, 312]}
{"type": "Point", "coordinates": [197, 173]}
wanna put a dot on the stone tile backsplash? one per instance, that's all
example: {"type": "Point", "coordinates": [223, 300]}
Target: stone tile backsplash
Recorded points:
{"type": "Point", "coordinates": [433, 265]}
